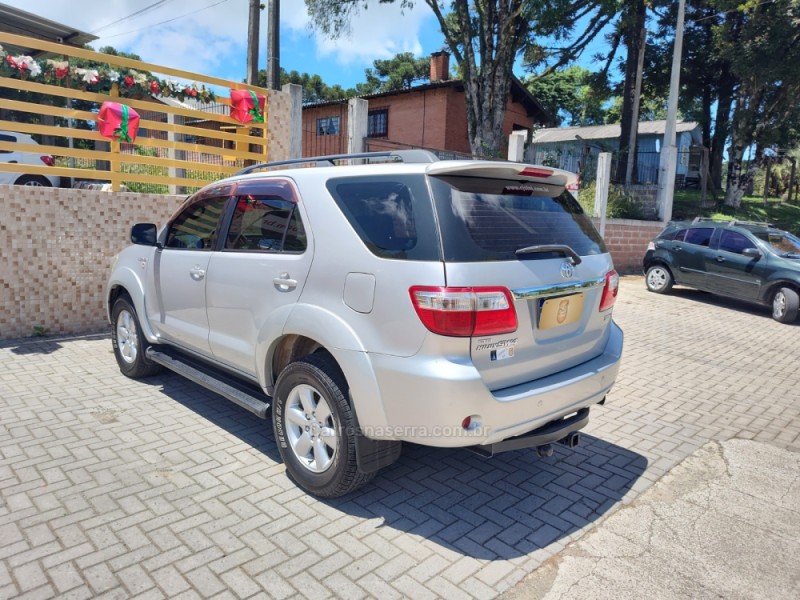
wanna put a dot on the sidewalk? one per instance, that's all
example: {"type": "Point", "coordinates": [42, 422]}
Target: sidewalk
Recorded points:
{"type": "Point", "coordinates": [725, 523]}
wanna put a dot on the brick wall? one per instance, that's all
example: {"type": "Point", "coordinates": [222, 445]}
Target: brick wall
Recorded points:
{"type": "Point", "coordinates": [56, 247]}
{"type": "Point", "coordinates": [627, 241]}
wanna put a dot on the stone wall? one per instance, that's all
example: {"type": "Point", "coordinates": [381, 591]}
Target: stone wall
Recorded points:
{"type": "Point", "coordinates": [56, 247]}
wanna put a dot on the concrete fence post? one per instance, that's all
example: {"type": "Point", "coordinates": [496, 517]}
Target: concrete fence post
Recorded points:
{"type": "Point", "coordinates": [516, 145]}
{"type": "Point", "coordinates": [295, 119]}
{"type": "Point", "coordinates": [357, 116]}
{"type": "Point", "coordinates": [601, 189]}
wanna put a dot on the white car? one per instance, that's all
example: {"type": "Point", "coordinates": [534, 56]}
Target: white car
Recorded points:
{"type": "Point", "coordinates": [444, 303]}
{"type": "Point", "coordinates": [26, 158]}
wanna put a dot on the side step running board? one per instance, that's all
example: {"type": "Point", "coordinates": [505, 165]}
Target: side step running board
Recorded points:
{"type": "Point", "coordinates": [236, 394]}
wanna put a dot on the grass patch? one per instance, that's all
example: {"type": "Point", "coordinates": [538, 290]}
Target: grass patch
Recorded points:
{"type": "Point", "coordinates": [687, 205]}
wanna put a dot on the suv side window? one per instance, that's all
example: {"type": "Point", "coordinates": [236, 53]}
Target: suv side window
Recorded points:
{"type": "Point", "coordinates": [266, 223]}
{"type": "Point", "coordinates": [676, 235]}
{"type": "Point", "coordinates": [195, 228]}
{"type": "Point", "coordinates": [700, 236]}
{"type": "Point", "coordinates": [393, 216]}
{"type": "Point", "coordinates": [731, 241]}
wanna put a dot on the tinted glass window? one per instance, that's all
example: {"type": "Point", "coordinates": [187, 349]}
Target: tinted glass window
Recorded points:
{"type": "Point", "coordinates": [265, 223]}
{"type": "Point", "coordinates": [781, 242]}
{"type": "Point", "coordinates": [732, 241]}
{"type": "Point", "coordinates": [700, 236]}
{"type": "Point", "coordinates": [489, 219]}
{"type": "Point", "coordinates": [675, 234]}
{"type": "Point", "coordinates": [392, 215]}
{"type": "Point", "coordinates": [195, 228]}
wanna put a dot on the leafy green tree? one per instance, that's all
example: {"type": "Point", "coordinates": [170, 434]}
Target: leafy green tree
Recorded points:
{"type": "Point", "coordinates": [398, 73]}
{"type": "Point", "coordinates": [314, 89]}
{"type": "Point", "coordinates": [486, 37]}
{"type": "Point", "coordinates": [761, 42]}
{"type": "Point", "coordinates": [573, 95]}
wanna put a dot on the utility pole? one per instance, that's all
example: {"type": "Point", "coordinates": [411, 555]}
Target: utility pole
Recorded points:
{"type": "Point", "coordinates": [669, 152]}
{"type": "Point", "coordinates": [274, 46]}
{"type": "Point", "coordinates": [252, 42]}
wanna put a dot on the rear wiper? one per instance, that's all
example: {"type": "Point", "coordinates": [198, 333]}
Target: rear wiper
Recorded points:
{"type": "Point", "coordinates": [543, 248]}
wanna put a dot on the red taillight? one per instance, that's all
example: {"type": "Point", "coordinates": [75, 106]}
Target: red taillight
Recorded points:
{"type": "Point", "coordinates": [610, 290]}
{"type": "Point", "coordinates": [48, 160]}
{"type": "Point", "coordinates": [465, 311]}
{"type": "Point", "coordinates": [535, 172]}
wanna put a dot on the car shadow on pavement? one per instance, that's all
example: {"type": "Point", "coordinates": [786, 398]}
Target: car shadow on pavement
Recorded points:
{"type": "Point", "coordinates": [499, 508]}
{"type": "Point", "coordinates": [750, 308]}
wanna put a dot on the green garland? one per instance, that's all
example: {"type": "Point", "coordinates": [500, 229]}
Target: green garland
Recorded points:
{"type": "Point", "coordinates": [99, 79]}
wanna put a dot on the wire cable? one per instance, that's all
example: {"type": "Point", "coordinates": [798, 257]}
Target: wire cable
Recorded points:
{"type": "Point", "coordinates": [142, 11]}
{"type": "Point", "coordinates": [194, 12]}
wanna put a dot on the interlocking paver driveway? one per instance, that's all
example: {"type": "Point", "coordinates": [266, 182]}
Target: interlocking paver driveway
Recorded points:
{"type": "Point", "coordinates": [115, 488]}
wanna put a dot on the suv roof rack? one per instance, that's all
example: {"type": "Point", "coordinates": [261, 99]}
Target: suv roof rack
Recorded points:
{"type": "Point", "coordinates": [730, 222]}
{"type": "Point", "coordinates": [405, 156]}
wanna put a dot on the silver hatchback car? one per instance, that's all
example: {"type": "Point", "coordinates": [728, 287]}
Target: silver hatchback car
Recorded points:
{"type": "Point", "coordinates": [445, 303]}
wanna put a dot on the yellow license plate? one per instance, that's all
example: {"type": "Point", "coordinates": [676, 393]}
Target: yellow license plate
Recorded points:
{"type": "Point", "coordinates": [556, 312]}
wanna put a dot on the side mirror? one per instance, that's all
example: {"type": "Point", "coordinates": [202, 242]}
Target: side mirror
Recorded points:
{"type": "Point", "coordinates": [144, 234]}
{"type": "Point", "coordinates": [752, 252]}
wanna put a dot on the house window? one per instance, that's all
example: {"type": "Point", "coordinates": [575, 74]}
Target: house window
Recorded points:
{"type": "Point", "coordinates": [378, 123]}
{"type": "Point", "coordinates": [328, 126]}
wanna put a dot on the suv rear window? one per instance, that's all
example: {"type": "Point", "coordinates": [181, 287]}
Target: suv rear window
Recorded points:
{"type": "Point", "coordinates": [490, 219]}
{"type": "Point", "coordinates": [392, 215]}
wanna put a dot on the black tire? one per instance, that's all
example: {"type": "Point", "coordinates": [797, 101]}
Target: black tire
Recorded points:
{"type": "Point", "coordinates": [785, 305]}
{"type": "Point", "coordinates": [658, 279]}
{"type": "Point", "coordinates": [130, 346]}
{"type": "Point", "coordinates": [33, 180]}
{"type": "Point", "coordinates": [315, 427]}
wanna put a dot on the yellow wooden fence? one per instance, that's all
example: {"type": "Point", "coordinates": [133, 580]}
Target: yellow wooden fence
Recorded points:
{"type": "Point", "coordinates": [129, 163]}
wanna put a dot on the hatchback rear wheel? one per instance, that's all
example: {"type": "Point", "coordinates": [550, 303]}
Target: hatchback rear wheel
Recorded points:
{"type": "Point", "coordinates": [658, 279]}
{"type": "Point", "coordinates": [785, 305]}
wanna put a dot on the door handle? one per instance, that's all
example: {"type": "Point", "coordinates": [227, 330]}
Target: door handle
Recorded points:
{"type": "Point", "coordinates": [284, 283]}
{"type": "Point", "coordinates": [197, 273]}
{"type": "Point", "coordinates": [720, 259]}
{"type": "Point", "coordinates": [676, 248]}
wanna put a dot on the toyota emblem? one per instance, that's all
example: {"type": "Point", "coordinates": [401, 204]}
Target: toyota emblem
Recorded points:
{"type": "Point", "coordinates": [567, 270]}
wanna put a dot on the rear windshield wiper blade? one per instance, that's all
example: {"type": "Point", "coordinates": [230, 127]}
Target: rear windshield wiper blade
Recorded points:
{"type": "Point", "coordinates": [544, 248]}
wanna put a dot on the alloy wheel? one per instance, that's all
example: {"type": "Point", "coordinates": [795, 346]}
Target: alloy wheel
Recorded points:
{"type": "Point", "coordinates": [310, 428]}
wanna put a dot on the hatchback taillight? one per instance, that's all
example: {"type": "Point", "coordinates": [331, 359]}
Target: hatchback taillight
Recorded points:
{"type": "Point", "coordinates": [610, 291]}
{"type": "Point", "coordinates": [465, 311]}
{"type": "Point", "coordinates": [48, 160]}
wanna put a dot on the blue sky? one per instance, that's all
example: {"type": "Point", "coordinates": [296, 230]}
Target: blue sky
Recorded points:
{"type": "Point", "coordinates": [210, 36]}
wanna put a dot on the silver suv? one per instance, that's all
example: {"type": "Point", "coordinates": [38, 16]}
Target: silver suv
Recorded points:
{"type": "Point", "coordinates": [445, 303]}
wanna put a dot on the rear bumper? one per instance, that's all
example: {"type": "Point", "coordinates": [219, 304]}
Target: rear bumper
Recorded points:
{"type": "Point", "coordinates": [426, 398]}
{"type": "Point", "coordinates": [547, 434]}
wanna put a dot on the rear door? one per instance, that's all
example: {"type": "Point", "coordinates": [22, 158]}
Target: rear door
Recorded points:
{"type": "Point", "coordinates": [262, 268]}
{"type": "Point", "coordinates": [535, 240]}
{"type": "Point", "coordinates": [690, 256]}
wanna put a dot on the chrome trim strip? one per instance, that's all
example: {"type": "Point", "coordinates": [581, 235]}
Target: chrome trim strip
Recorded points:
{"type": "Point", "coordinates": [558, 289]}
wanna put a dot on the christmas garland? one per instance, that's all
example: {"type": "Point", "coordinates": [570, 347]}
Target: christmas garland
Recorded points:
{"type": "Point", "coordinates": [100, 79]}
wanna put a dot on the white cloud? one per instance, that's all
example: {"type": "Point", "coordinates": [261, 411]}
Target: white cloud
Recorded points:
{"type": "Point", "coordinates": [380, 31]}
{"type": "Point", "coordinates": [213, 40]}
